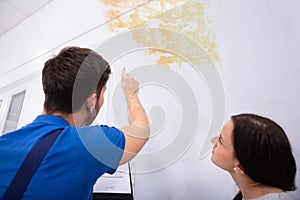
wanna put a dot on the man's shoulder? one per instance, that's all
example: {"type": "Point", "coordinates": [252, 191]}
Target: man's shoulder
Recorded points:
{"type": "Point", "coordinates": [98, 130]}
{"type": "Point", "coordinates": [101, 134]}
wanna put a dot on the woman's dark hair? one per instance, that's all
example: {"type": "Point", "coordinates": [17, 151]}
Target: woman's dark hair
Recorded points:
{"type": "Point", "coordinates": [264, 151]}
{"type": "Point", "coordinates": [71, 76]}
{"type": "Point", "coordinates": [238, 196]}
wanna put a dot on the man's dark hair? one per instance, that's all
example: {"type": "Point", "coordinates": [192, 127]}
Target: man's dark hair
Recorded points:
{"type": "Point", "coordinates": [264, 151]}
{"type": "Point", "coordinates": [71, 76]}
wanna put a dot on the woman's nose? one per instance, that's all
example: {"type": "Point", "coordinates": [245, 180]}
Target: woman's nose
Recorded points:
{"type": "Point", "coordinates": [214, 140]}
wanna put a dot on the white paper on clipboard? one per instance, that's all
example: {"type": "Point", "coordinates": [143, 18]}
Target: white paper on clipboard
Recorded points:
{"type": "Point", "coordinates": [119, 182]}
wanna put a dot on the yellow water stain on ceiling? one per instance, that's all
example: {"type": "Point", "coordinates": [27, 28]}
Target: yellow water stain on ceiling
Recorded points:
{"type": "Point", "coordinates": [181, 16]}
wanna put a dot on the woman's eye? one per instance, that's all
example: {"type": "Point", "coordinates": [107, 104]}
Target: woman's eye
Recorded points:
{"type": "Point", "coordinates": [220, 140]}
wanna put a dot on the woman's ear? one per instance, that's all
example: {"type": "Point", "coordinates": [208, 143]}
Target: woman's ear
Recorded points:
{"type": "Point", "coordinates": [239, 169]}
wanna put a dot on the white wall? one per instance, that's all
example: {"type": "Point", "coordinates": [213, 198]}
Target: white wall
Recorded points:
{"type": "Point", "coordinates": [258, 43]}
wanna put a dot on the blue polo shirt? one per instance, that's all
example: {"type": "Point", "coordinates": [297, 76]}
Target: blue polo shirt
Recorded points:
{"type": "Point", "coordinates": [79, 156]}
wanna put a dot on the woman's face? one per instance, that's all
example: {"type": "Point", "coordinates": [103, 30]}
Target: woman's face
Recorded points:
{"type": "Point", "coordinates": [223, 151]}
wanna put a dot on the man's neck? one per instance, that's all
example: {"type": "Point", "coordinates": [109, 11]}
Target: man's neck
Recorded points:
{"type": "Point", "coordinates": [68, 117]}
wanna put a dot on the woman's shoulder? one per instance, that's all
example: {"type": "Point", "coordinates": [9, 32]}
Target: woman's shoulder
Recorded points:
{"type": "Point", "coordinates": [278, 196]}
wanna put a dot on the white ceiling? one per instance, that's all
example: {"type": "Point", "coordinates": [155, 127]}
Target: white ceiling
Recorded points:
{"type": "Point", "coordinates": [13, 12]}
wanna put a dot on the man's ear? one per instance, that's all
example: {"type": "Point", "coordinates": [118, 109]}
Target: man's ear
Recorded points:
{"type": "Point", "coordinates": [91, 102]}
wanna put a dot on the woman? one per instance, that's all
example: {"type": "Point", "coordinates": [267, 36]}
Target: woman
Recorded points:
{"type": "Point", "coordinates": [257, 154]}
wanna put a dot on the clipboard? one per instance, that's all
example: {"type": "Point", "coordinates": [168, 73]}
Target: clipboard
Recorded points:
{"type": "Point", "coordinates": [115, 187]}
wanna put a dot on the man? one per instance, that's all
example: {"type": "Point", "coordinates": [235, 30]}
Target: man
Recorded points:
{"type": "Point", "coordinates": [74, 83]}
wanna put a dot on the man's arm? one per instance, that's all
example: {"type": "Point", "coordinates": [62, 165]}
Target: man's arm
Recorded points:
{"type": "Point", "coordinates": [137, 132]}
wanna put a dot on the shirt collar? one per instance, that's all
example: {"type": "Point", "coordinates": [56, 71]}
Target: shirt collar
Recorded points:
{"type": "Point", "coordinates": [51, 119]}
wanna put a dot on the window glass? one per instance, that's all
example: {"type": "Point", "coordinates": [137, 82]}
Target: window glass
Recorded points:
{"type": "Point", "coordinates": [14, 112]}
